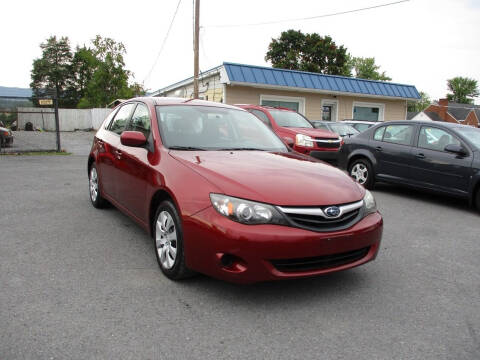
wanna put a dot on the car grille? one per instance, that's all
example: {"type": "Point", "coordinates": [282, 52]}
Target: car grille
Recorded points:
{"type": "Point", "coordinates": [315, 219]}
{"type": "Point", "coordinates": [319, 262]}
{"type": "Point", "coordinates": [327, 143]}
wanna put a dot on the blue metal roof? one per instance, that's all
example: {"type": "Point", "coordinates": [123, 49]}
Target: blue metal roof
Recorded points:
{"type": "Point", "coordinates": [250, 74]}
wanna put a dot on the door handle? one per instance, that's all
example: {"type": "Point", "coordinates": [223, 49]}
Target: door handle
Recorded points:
{"type": "Point", "coordinates": [420, 156]}
{"type": "Point", "coordinates": [378, 148]}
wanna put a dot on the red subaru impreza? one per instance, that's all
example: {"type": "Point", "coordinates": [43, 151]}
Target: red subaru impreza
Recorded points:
{"type": "Point", "coordinates": [222, 195]}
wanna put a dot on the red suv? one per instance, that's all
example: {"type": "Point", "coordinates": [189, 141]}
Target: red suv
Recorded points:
{"type": "Point", "coordinates": [221, 194]}
{"type": "Point", "coordinates": [297, 131]}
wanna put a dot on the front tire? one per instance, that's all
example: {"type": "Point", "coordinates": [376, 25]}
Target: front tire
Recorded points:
{"type": "Point", "coordinates": [361, 171]}
{"type": "Point", "coordinates": [94, 187]}
{"type": "Point", "coordinates": [168, 241]}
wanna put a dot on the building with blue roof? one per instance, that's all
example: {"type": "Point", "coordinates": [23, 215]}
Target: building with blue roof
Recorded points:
{"type": "Point", "coordinates": [317, 96]}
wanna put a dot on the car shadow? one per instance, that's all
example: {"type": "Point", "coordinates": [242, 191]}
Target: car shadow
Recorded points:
{"type": "Point", "coordinates": [283, 292]}
{"type": "Point", "coordinates": [425, 196]}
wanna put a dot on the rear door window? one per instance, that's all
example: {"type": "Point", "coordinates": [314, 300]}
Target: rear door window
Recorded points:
{"type": "Point", "coordinates": [379, 134]}
{"type": "Point", "coordinates": [398, 134]}
{"type": "Point", "coordinates": [262, 116]}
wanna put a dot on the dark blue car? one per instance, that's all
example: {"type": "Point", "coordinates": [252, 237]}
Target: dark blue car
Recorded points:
{"type": "Point", "coordinates": [439, 156]}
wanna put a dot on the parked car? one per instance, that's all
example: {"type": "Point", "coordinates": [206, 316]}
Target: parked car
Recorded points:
{"type": "Point", "coordinates": [298, 132]}
{"type": "Point", "coordinates": [6, 137]}
{"type": "Point", "coordinates": [338, 128]}
{"type": "Point", "coordinates": [361, 125]}
{"type": "Point", "coordinates": [438, 156]}
{"type": "Point", "coordinates": [221, 194]}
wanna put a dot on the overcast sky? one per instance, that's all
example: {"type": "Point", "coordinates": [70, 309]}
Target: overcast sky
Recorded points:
{"type": "Point", "coordinates": [419, 42]}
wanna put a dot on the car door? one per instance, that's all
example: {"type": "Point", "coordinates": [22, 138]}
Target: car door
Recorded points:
{"type": "Point", "coordinates": [132, 165]}
{"type": "Point", "coordinates": [392, 148]}
{"type": "Point", "coordinates": [436, 168]}
{"type": "Point", "coordinates": [110, 143]}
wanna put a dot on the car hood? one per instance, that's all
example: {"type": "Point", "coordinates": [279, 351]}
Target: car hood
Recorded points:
{"type": "Point", "coordinates": [287, 179]}
{"type": "Point", "coordinates": [316, 133]}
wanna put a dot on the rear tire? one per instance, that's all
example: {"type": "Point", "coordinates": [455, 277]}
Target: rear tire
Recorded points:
{"type": "Point", "coordinates": [94, 187]}
{"type": "Point", "coordinates": [476, 199]}
{"type": "Point", "coordinates": [168, 242]}
{"type": "Point", "coordinates": [361, 171]}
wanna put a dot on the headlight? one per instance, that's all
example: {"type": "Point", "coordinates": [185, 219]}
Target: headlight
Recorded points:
{"type": "Point", "coordinates": [303, 140]}
{"type": "Point", "coordinates": [245, 211]}
{"type": "Point", "coordinates": [369, 203]}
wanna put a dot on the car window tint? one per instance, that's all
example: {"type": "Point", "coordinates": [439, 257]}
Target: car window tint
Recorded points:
{"type": "Point", "coordinates": [379, 134]}
{"type": "Point", "coordinates": [361, 127]}
{"type": "Point", "coordinates": [398, 134]}
{"type": "Point", "coordinates": [435, 139]}
{"type": "Point", "coordinates": [140, 120]}
{"type": "Point", "coordinates": [119, 123]}
{"type": "Point", "coordinates": [261, 115]}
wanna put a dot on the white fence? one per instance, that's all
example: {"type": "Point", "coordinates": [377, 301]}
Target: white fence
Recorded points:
{"type": "Point", "coordinates": [70, 119]}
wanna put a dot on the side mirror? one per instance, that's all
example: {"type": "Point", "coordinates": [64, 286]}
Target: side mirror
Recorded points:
{"type": "Point", "coordinates": [288, 141]}
{"type": "Point", "coordinates": [133, 138]}
{"type": "Point", "coordinates": [456, 149]}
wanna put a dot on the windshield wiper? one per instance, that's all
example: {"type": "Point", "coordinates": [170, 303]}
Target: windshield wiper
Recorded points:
{"type": "Point", "coordinates": [189, 148]}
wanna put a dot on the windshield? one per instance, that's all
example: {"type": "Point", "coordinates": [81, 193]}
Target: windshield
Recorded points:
{"type": "Point", "coordinates": [290, 119]}
{"type": "Point", "coordinates": [187, 127]}
{"type": "Point", "coordinates": [471, 134]}
{"type": "Point", "coordinates": [343, 129]}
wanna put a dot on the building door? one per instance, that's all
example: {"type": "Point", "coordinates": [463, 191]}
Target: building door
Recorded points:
{"type": "Point", "coordinates": [329, 110]}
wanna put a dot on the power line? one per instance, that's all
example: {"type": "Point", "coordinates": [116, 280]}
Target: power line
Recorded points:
{"type": "Point", "coordinates": [307, 18]}
{"type": "Point", "coordinates": [164, 42]}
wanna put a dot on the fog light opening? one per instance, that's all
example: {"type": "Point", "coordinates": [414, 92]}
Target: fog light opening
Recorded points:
{"type": "Point", "coordinates": [232, 263]}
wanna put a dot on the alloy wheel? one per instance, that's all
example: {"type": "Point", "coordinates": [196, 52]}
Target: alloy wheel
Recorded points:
{"type": "Point", "coordinates": [93, 184]}
{"type": "Point", "coordinates": [360, 173]}
{"type": "Point", "coordinates": [166, 239]}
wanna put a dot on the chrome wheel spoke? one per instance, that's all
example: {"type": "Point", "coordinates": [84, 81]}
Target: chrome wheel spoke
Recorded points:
{"type": "Point", "coordinates": [166, 239]}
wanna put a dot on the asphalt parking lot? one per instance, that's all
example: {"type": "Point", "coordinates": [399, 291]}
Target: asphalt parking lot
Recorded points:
{"type": "Point", "coordinates": [81, 283]}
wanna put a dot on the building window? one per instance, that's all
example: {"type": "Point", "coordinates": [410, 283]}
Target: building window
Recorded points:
{"type": "Point", "coordinates": [368, 111]}
{"type": "Point", "coordinates": [290, 102]}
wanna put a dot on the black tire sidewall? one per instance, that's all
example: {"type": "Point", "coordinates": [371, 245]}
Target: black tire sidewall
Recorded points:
{"type": "Point", "coordinates": [176, 271]}
{"type": "Point", "coordinates": [370, 177]}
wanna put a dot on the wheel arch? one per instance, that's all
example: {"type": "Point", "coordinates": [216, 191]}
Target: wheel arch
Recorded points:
{"type": "Point", "coordinates": [354, 156]}
{"type": "Point", "coordinates": [159, 196]}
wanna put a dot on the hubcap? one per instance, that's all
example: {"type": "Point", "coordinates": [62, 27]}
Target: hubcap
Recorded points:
{"type": "Point", "coordinates": [166, 239]}
{"type": "Point", "coordinates": [93, 184]}
{"type": "Point", "coordinates": [360, 173]}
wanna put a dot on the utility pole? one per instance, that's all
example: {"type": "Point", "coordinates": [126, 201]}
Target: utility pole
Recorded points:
{"type": "Point", "coordinates": [195, 49]}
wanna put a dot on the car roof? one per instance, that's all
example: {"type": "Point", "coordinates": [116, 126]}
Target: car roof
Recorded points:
{"type": "Point", "coordinates": [424, 122]}
{"type": "Point", "coordinates": [265, 107]}
{"type": "Point", "coordinates": [157, 100]}
{"type": "Point", "coordinates": [362, 121]}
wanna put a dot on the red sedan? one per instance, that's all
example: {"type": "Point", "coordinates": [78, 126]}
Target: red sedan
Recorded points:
{"type": "Point", "coordinates": [221, 194]}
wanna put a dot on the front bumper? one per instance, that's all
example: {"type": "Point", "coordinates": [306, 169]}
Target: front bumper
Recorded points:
{"type": "Point", "coordinates": [252, 250]}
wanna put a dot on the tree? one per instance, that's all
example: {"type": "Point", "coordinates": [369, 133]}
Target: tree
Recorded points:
{"type": "Point", "coordinates": [307, 52]}
{"type": "Point", "coordinates": [463, 90]}
{"type": "Point", "coordinates": [83, 66]}
{"type": "Point", "coordinates": [109, 81]}
{"type": "Point", "coordinates": [365, 68]}
{"type": "Point", "coordinates": [51, 72]}
{"type": "Point", "coordinates": [422, 104]}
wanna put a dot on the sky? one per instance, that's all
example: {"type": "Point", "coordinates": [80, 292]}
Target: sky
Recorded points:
{"type": "Point", "coordinates": [418, 42]}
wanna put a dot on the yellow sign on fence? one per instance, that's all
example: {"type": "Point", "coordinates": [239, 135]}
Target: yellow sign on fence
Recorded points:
{"type": "Point", "coordinates": [45, 101]}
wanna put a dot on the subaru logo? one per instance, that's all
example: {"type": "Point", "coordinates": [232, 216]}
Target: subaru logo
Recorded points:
{"type": "Point", "coordinates": [332, 211]}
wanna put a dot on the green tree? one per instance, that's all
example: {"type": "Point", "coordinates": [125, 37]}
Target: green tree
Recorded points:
{"type": "Point", "coordinates": [422, 104]}
{"type": "Point", "coordinates": [51, 72]}
{"type": "Point", "coordinates": [109, 81]}
{"type": "Point", "coordinates": [463, 90]}
{"type": "Point", "coordinates": [308, 52]}
{"type": "Point", "coordinates": [365, 68]}
{"type": "Point", "coordinates": [82, 67]}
